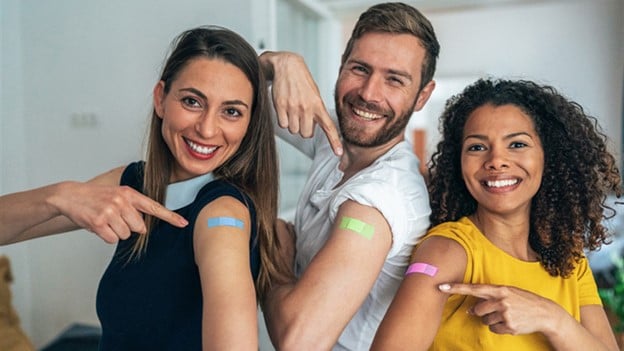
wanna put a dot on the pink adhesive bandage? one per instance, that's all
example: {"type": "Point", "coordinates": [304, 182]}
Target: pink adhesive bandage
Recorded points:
{"type": "Point", "coordinates": [423, 268]}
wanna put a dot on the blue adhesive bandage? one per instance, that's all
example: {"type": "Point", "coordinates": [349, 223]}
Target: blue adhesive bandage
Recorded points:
{"type": "Point", "coordinates": [225, 222]}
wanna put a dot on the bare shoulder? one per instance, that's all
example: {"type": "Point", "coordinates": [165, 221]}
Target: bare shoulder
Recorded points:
{"type": "Point", "coordinates": [447, 255]}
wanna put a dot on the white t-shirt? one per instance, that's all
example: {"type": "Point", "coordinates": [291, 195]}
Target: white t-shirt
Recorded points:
{"type": "Point", "coordinates": [394, 186]}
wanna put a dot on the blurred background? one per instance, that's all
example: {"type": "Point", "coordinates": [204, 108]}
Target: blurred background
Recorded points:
{"type": "Point", "coordinates": [76, 79]}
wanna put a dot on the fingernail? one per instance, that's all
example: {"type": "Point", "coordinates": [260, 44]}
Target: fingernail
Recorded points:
{"type": "Point", "coordinates": [444, 287]}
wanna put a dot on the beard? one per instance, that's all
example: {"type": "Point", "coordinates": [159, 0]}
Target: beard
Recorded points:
{"type": "Point", "coordinates": [358, 134]}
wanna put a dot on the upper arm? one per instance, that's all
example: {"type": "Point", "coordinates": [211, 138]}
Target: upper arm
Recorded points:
{"type": "Point", "coordinates": [340, 276]}
{"type": "Point", "coordinates": [222, 257]}
{"type": "Point", "coordinates": [594, 319]}
{"type": "Point", "coordinates": [414, 316]}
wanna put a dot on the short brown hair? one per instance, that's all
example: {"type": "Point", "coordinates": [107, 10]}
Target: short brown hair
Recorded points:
{"type": "Point", "coordinates": [398, 18]}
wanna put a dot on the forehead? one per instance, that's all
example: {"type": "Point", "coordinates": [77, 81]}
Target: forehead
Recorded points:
{"type": "Point", "coordinates": [389, 51]}
{"type": "Point", "coordinates": [214, 76]}
{"type": "Point", "coordinates": [499, 119]}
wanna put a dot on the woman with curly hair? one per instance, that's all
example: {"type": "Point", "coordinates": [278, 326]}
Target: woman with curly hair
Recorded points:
{"type": "Point", "coordinates": [518, 186]}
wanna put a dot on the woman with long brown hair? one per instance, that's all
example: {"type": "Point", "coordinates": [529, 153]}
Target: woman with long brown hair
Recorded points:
{"type": "Point", "coordinates": [185, 276]}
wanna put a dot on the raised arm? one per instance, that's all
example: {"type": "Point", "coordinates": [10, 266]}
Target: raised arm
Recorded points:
{"type": "Point", "coordinates": [221, 245]}
{"type": "Point", "coordinates": [312, 313]}
{"type": "Point", "coordinates": [414, 316]}
{"type": "Point", "coordinates": [296, 97]}
{"type": "Point", "coordinates": [99, 205]}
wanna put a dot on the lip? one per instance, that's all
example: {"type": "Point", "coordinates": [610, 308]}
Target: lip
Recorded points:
{"type": "Point", "coordinates": [366, 115]}
{"type": "Point", "coordinates": [200, 151]}
{"type": "Point", "coordinates": [501, 185]}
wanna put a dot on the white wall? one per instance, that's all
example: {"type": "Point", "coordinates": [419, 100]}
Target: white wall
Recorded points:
{"type": "Point", "coordinates": [76, 79]}
{"type": "Point", "coordinates": [575, 45]}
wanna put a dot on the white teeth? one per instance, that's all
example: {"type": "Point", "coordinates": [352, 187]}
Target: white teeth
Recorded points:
{"type": "Point", "coordinates": [501, 183]}
{"type": "Point", "coordinates": [201, 149]}
{"type": "Point", "coordinates": [367, 115]}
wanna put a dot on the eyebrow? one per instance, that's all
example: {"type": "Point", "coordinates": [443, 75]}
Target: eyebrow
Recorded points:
{"type": "Point", "coordinates": [508, 136]}
{"type": "Point", "coordinates": [201, 95]}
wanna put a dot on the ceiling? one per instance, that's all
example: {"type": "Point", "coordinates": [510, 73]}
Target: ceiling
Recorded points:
{"type": "Point", "coordinates": [348, 7]}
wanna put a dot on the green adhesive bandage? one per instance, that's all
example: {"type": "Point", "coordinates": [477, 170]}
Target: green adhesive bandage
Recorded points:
{"type": "Point", "coordinates": [364, 229]}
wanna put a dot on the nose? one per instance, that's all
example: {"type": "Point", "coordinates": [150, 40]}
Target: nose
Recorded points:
{"type": "Point", "coordinates": [208, 125]}
{"type": "Point", "coordinates": [496, 160]}
{"type": "Point", "coordinates": [371, 90]}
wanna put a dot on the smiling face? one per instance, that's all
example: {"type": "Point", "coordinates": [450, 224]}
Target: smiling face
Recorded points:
{"type": "Point", "coordinates": [205, 115]}
{"type": "Point", "coordinates": [378, 88]}
{"type": "Point", "coordinates": [502, 159]}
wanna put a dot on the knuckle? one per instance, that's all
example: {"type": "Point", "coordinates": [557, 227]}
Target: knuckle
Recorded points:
{"type": "Point", "coordinates": [124, 235]}
{"type": "Point", "coordinates": [281, 101]}
{"type": "Point", "coordinates": [110, 239]}
{"type": "Point", "coordinates": [99, 221]}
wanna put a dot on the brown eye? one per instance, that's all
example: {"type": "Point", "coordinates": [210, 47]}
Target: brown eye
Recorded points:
{"type": "Point", "coordinates": [517, 145]}
{"type": "Point", "coordinates": [189, 101]}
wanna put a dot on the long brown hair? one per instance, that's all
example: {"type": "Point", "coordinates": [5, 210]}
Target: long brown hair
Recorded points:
{"type": "Point", "coordinates": [253, 168]}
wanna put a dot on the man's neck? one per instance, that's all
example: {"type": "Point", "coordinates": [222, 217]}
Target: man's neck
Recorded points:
{"type": "Point", "coordinates": [356, 158]}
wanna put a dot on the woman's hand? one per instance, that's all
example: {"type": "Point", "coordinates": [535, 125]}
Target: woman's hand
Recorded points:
{"type": "Point", "coordinates": [509, 310]}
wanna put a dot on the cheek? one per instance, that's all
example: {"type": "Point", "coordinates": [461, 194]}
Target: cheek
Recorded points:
{"type": "Point", "coordinates": [467, 173]}
{"type": "Point", "coordinates": [236, 133]}
{"type": "Point", "coordinates": [169, 125]}
{"type": "Point", "coordinates": [346, 82]}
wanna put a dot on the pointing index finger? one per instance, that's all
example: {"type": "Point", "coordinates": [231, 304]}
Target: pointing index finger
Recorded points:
{"type": "Point", "coordinates": [328, 126]}
{"type": "Point", "coordinates": [151, 207]}
{"type": "Point", "coordinates": [483, 291]}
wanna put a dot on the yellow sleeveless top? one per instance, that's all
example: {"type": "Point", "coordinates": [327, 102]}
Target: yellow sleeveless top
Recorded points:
{"type": "Point", "coordinates": [487, 264]}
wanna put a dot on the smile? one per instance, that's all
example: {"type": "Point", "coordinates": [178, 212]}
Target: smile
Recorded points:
{"type": "Point", "coordinates": [366, 115]}
{"type": "Point", "coordinates": [204, 150]}
{"type": "Point", "coordinates": [501, 183]}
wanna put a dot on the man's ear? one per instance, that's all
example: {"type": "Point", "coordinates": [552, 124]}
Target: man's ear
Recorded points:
{"type": "Point", "coordinates": [424, 95]}
{"type": "Point", "coordinates": [159, 98]}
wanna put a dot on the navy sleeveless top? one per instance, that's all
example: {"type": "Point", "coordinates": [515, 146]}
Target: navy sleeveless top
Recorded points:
{"type": "Point", "coordinates": [154, 302]}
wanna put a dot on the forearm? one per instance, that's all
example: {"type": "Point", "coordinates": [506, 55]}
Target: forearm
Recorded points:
{"type": "Point", "coordinates": [293, 325]}
{"type": "Point", "coordinates": [267, 63]}
{"type": "Point", "coordinates": [25, 210]}
{"type": "Point", "coordinates": [567, 334]}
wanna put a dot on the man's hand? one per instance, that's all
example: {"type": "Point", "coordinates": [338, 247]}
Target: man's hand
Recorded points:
{"type": "Point", "coordinates": [296, 97]}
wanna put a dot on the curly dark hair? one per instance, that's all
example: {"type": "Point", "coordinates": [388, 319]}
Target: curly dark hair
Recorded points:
{"type": "Point", "coordinates": [579, 172]}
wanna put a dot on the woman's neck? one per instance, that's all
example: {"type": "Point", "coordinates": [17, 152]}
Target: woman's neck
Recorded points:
{"type": "Point", "coordinates": [508, 233]}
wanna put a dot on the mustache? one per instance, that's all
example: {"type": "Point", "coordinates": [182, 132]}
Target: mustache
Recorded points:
{"type": "Point", "coordinates": [358, 102]}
